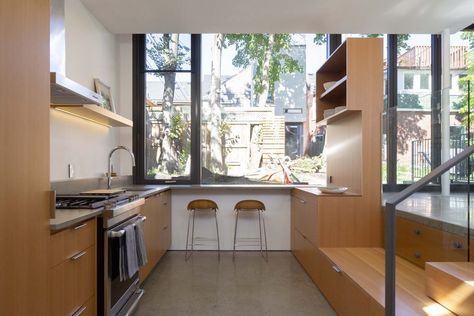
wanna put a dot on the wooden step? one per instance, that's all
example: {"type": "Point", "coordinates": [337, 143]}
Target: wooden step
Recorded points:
{"type": "Point", "coordinates": [452, 285]}
{"type": "Point", "coordinates": [366, 268]}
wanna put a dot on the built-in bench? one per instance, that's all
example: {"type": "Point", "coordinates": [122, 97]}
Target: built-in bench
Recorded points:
{"type": "Point", "coordinates": [363, 269]}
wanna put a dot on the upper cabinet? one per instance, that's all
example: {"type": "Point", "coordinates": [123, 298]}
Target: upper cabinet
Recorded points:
{"type": "Point", "coordinates": [70, 97]}
{"type": "Point", "coordinates": [349, 88]}
{"type": "Point", "coordinates": [347, 82]}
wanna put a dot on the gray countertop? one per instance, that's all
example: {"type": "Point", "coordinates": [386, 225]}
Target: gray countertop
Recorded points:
{"type": "Point", "coordinates": [65, 218]}
{"type": "Point", "coordinates": [68, 217]}
{"type": "Point", "coordinates": [447, 213]}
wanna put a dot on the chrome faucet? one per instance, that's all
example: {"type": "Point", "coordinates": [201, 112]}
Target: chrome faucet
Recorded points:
{"type": "Point", "coordinates": [109, 174]}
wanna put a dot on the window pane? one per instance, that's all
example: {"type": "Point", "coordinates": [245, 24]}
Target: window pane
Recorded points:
{"type": "Point", "coordinates": [168, 126]}
{"type": "Point", "coordinates": [408, 81]}
{"type": "Point", "coordinates": [461, 71]}
{"type": "Point", "coordinates": [168, 51]}
{"type": "Point", "coordinates": [255, 131]}
{"type": "Point", "coordinates": [413, 107]}
{"type": "Point", "coordinates": [424, 81]}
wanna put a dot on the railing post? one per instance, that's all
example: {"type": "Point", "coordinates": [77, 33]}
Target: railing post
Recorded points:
{"type": "Point", "coordinates": [389, 259]}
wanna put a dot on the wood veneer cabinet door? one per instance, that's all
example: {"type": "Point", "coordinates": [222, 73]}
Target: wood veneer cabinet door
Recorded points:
{"type": "Point", "coordinates": [151, 210]}
{"type": "Point", "coordinates": [344, 295]}
{"type": "Point", "coordinates": [305, 217]}
{"type": "Point", "coordinates": [73, 283]}
{"type": "Point", "coordinates": [420, 243]}
{"type": "Point", "coordinates": [165, 223]}
{"type": "Point", "coordinates": [24, 159]}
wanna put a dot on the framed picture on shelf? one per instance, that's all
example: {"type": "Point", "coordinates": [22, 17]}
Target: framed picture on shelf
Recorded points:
{"type": "Point", "coordinates": [104, 90]}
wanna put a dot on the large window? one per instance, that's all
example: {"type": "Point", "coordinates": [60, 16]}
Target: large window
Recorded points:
{"type": "Point", "coordinates": [163, 86]}
{"type": "Point", "coordinates": [252, 121]}
{"type": "Point", "coordinates": [257, 108]}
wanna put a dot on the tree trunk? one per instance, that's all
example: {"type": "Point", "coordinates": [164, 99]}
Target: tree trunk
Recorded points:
{"type": "Point", "coordinates": [265, 70]}
{"type": "Point", "coordinates": [217, 160]}
{"type": "Point", "coordinates": [168, 159]}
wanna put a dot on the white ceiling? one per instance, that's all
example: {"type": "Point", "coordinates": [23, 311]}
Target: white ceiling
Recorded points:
{"type": "Point", "coordinates": [282, 16]}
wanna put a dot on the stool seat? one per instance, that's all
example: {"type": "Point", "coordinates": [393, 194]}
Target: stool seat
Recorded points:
{"type": "Point", "coordinates": [249, 205]}
{"type": "Point", "coordinates": [255, 206]}
{"type": "Point", "coordinates": [202, 204]}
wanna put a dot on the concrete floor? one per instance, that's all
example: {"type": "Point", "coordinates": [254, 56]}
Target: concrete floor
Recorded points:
{"type": "Point", "coordinates": [250, 286]}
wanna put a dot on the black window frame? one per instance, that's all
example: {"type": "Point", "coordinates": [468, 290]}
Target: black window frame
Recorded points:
{"type": "Point", "coordinates": [333, 40]}
{"type": "Point", "coordinates": [139, 72]}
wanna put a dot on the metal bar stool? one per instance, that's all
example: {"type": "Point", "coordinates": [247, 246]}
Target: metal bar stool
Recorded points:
{"type": "Point", "coordinates": [201, 205]}
{"type": "Point", "coordinates": [259, 207]}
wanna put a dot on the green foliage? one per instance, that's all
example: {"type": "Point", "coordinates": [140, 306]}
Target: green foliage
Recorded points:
{"type": "Point", "coordinates": [180, 136]}
{"type": "Point", "coordinates": [408, 101]}
{"type": "Point", "coordinates": [469, 36]}
{"type": "Point", "coordinates": [401, 40]}
{"type": "Point", "coordinates": [158, 50]}
{"type": "Point", "coordinates": [463, 84]}
{"type": "Point", "coordinates": [308, 164]}
{"type": "Point", "coordinates": [319, 39]}
{"type": "Point", "coordinates": [252, 47]}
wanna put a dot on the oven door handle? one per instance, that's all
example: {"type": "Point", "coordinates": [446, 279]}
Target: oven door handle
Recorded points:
{"type": "Point", "coordinates": [121, 232]}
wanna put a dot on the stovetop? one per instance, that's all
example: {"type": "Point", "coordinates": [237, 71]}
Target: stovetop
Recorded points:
{"type": "Point", "coordinates": [80, 201]}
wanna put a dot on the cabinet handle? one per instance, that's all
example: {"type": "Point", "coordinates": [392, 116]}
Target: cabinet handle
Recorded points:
{"type": "Point", "coordinates": [337, 269]}
{"type": "Point", "coordinates": [80, 226]}
{"type": "Point", "coordinates": [165, 228]}
{"type": "Point", "coordinates": [79, 255]}
{"type": "Point", "coordinates": [457, 245]}
{"type": "Point", "coordinates": [80, 311]}
{"type": "Point", "coordinates": [302, 201]}
{"type": "Point", "coordinates": [165, 203]}
{"type": "Point", "coordinates": [417, 232]}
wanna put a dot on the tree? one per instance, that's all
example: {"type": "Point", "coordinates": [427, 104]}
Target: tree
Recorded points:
{"type": "Point", "coordinates": [467, 99]}
{"type": "Point", "coordinates": [216, 162]}
{"type": "Point", "coordinates": [401, 40]}
{"type": "Point", "coordinates": [270, 52]}
{"type": "Point", "coordinates": [165, 53]}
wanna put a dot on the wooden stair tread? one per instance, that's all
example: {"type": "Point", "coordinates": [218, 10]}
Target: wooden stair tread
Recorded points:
{"type": "Point", "coordinates": [452, 285]}
{"type": "Point", "coordinates": [460, 270]}
{"type": "Point", "coordinates": [366, 267]}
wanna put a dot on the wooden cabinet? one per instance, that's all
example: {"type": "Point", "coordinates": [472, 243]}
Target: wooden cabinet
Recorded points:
{"type": "Point", "coordinates": [73, 270]}
{"type": "Point", "coordinates": [25, 157]}
{"type": "Point", "coordinates": [353, 138]}
{"type": "Point", "coordinates": [304, 208]}
{"type": "Point", "coordinates": [344, 295]}
{"type": "Point", "coordinates": [419, 243]}
{"type": "Point", "coordinates": [157, 210]}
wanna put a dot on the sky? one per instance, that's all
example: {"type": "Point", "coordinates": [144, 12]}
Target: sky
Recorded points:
{"type": "Point", "coordinates": [315, 54]}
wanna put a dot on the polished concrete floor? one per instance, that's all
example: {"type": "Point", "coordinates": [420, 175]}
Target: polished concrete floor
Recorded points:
{"type": "Point", "coordinates": [249, 286]}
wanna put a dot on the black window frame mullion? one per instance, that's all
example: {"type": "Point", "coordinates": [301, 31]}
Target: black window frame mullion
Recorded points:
{"type": "Point", "coordinates": [139, 87]}
{"type": "Point", "coordinates": [138, 108]}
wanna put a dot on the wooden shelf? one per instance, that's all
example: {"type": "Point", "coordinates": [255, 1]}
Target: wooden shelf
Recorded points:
{"type": "Point", "coordinates": [336, 62]}
{"type": "Point", "coordinates": [337, 116]}
{"type": "Point", "coordinates": [336, 91]}
{"type": "Point", "coordinates": [95, 113]}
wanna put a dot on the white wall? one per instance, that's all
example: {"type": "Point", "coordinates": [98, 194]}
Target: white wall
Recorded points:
{"type": "Point", "coordinates": [277, 217]}
{"type": "Point", "coordinates": [91, 52]}
{"type": "Point", "coordinates": [124, 67]}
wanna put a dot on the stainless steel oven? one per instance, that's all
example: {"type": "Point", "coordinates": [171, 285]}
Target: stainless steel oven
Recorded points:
{"type": "Point", "coordinates": [118, 297]}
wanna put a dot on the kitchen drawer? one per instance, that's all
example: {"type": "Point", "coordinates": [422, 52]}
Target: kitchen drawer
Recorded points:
{"type": "Point", "coordinates": [344, 295]}
{"type": "Point", "coordinates": [73, 282]}
{"type": "Point", "coordinates": [89, 308]}
{"type": "Point", "coordinates": [305, 217]}
{"type": "Point", "coordinates": [305, 252]}
{"type": "Point", "coordinates": [71, 241]}
{"type": "Point", "coordinates": [419, 243]}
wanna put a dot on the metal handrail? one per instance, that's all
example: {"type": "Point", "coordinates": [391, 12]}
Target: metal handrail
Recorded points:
{"type": "Point", "coordinates": [390, 205]}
